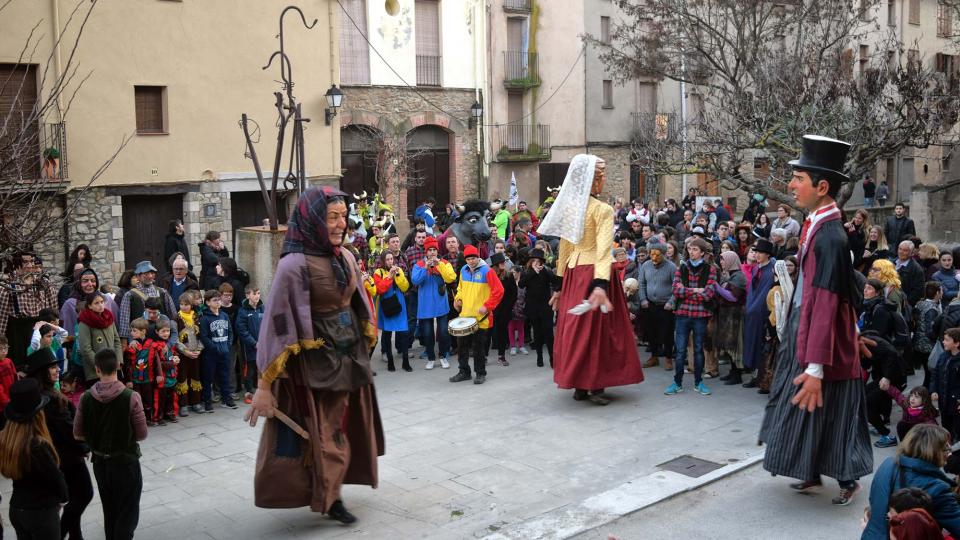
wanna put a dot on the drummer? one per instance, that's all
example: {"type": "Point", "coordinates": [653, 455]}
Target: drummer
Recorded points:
{"type": "Point", "coordinates": [477, 296]}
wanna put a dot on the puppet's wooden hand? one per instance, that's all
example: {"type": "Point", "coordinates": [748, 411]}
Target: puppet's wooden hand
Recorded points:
{"type": "Point", "coordinates": [810, 395]}
{"type": "Point", "coordinates": [865, 343]}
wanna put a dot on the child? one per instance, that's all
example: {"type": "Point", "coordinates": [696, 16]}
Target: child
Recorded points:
{"type": "Point", "coordinates": [139, 366]}
{"type": "Point", "coordinates": [164, 391]}
{"type": "Point", "coordinates": [8, 376]}
{"type": "Point", "coordinates": [216, 336]}
{"type": "Point", "coordinates": [232, 309]}
{"type": "Point", "coordinates": [70, 388]}
{"type": "Point", "coordinates": [248, 328]}
{"type": "Point", "coordinates": [945, 387]}
{"type": "Point", "coordinates": [515, 328]}
{"type": "Point", "coordinates": [152, 313]}
{"type": "Point", "coordinates": [189, 348]}
{"type": "Point", "coordinates": [51, 317]}
{"type": "Point", "coordinates": [110, 418]}
{"type": "Point", "coordinates": [917, 407]}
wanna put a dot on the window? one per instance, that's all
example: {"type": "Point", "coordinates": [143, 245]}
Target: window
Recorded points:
{"type": "Point", "coordinates": [605, 30]}
{"type": "Point", "coordinates": [892, 12]}
{"type": "Point", "coordinates": [429, 61]}
{"type": "Point", "coordinates": [846, 63]}
{"type": "Point", "coordinates": [914, 16]}
{"type": "Point", "coordinates": [944, 20]}
{"type": "Point", "coordinates": [149, 102]}
{"type": "Point", "coordinates": [607, 94]}
{"type": "Point", "coordinates": [864, 58]}
{"type": "Point", "coordinates": [647, 97]}
{"type": "Point", "coordinates": [354, 52]}
{"type": "Point", "coordinates": [913, 60]}
{"type": "Point", "coordinates": [892, 62]}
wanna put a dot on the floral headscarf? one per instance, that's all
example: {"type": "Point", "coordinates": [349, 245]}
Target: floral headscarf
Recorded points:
{"type": "Point", "coordinates": [307, 231]}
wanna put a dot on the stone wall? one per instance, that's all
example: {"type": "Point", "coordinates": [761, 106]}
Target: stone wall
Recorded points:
{"type": "Point", "coordinates": [196, 225]}
{"type": "Point", "coordinates": [97, 220]}
{"type": "Point", "coordinates": [618, 169]}
{"type": "Point", "coordinates": [935, 210]}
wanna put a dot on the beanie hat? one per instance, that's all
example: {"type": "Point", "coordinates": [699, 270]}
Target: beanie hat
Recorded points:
{"type": "Point", "coordinates": [430, 242]}
{"type": "Point", "coordinates": [470, 251]}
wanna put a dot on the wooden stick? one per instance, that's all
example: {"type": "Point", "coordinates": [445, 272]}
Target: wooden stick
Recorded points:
{"type": "Point", "coordinates": [290, 423]}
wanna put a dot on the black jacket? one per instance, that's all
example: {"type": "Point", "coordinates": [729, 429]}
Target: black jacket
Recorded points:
{"type": "Point", "coordinates": [877, 317]}
{"type": "Point", "coordinates": [173, 244]}
{"type": "Point", "coordinates": [504, 310]}
{"type": "Point", "coordinates": [43, 485]}
{"type": "Point", "coordinates": [949, 319]}
{"type": "Point", "coordinates": [911, 281]}
{"type": "Point", "coordinates": [886, 362]}
{"type": "Point", "coordinates": [60, 425]}
{"type": "Point", "coordinates": [898, 229]}
{"type": "Point", "coordinates": [209, 258]}
{"type": "Point", "coordinates": [538, 287]}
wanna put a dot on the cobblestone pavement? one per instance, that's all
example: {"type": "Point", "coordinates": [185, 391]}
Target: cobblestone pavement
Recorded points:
{"type": "Point", "coordinates": [462, 461]}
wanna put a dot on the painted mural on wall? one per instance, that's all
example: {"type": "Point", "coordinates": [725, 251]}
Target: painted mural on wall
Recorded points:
{"type": "Point", "coordinates": [397, 30]}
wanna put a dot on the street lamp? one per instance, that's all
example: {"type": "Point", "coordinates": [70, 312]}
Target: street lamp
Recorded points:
{"type": "Point", "coordinates": [476, 113]}
{"type": "Point", "coordinates": [334, 100]}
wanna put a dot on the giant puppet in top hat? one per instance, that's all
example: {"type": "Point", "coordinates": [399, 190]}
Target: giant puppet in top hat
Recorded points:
{"type": "Point", "coordinates": [825, 156]}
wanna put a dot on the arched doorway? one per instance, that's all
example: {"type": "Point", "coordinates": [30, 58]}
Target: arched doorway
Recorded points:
{"type": "Point", "coordinates": [358, 159]}
{"type": "Point", "coordinates": [429, 149]}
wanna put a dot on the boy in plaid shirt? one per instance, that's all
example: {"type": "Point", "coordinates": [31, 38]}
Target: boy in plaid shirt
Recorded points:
{"type": "Point", "coordinates": [693, 289]}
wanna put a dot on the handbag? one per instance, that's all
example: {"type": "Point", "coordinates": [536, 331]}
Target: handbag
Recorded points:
{"type": "Point", "coordinates": [390, 305]}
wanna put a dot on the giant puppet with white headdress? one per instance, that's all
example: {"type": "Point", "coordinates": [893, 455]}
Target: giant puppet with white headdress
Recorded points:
{"type": "Point", "coordinates": [594, 347]}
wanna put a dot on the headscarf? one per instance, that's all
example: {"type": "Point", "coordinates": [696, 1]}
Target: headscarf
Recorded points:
{"type": "Point", "coordinates": [782, 298]}
{"type": "Point", "coordinates": [77, 291]}
{"type": "Point", "coordinates": [307, 231]}
{"type": "Point", "coordinates": [729, 261]}
{"type": "Point", "coordinates": [568, 215]}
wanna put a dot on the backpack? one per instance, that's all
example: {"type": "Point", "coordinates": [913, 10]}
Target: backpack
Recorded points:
{"type": "Point", "coordinates": [901, 330]}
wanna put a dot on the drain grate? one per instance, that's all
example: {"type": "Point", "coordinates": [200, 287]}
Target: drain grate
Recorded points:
{"type": "Point", "coordinates": [690, 466]}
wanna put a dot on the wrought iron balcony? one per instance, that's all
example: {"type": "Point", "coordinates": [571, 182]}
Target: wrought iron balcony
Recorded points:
{"type": "Point", "coordinates": [655, 127]}
{"type": "Point", "coordinates": [520, 69]}
{"type": "Point", "coordinates": [37, 158]}
{"type": "Point", "coordinates": [518, 6]}
{"type": "Point", "coordinates": [429, 70]}
{"type": "Point", "coordinates": [518, 142]}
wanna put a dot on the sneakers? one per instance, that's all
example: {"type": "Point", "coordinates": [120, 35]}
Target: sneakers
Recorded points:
{"type": "Point", "coordinates": [806, 485]}
{"type": "Point", "coordinates": [503, 361]}
{"type": "Point", "coordinates": [673, 389]}
{"type": "Point", "coordinates": [886, 441]}
{"type": "Point", "coordinates": [198, 408]}
{"type": "Point", "coordinates": [183, 412]}
{"type": "Point", "coordinates": [228, 404]}
{"type": "Point", "coordinates": [702, 389]}
{"type": "Point", "coordinates": [479, 379]}
{"type": "Point", "coordinates": [172, 418]}
{"type": "Point", "coordinates": [513, 351]}
{"type": "Point", "coordinates": [444, 363]}
{"type": "Point", "coordinates": [460, 376]}
{"type": "Point", "coordinates": [208, 407]}
{"type": "Point", "coordinates": [523, 350]}
{"type": "Point", "coordinates": [846, 495]}
{"type": "Point", "coordinates": [216, 398]}
{"type": "Point", "coordinates": [430, 364]}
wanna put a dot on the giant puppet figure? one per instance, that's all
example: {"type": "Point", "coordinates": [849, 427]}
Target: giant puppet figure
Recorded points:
{"type": "Point", "coordinates": [471, 227]}
{"type": "Point", "coordinates": [595, 349]}
{"type": "Point", "coordinates": [316, 387]}
{"type": "Point", "coordinates": [816, 420]}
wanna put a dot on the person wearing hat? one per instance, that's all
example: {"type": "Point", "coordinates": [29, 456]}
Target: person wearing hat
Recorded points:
{"type": "Point", "coordinates": [431, 275]}
{"type": "Point", "coordinates": [756, 313]}
{"type": "Point", "coordinates": [539, 284]}
{"type": "Point", "coordinates": [478, 295]}
{"type": "Point", "coordinates": [59, 413]}
{"type": "Point", "coordinates": [28, 457]}
{"type": "Point", "coordinates": [655, 277]}
{"type": "Point", "coordinates": [503, 313]}
{"type": "Point", "coordinates": [132, 305]}
{"type": "Point", "coordinates": [816, 422]}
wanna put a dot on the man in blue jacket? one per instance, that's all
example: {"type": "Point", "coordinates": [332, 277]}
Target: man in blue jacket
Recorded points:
{"type": "Point", "coordinates": [430, 275]}
{"type": "Point", "coordinates": [248, 329]}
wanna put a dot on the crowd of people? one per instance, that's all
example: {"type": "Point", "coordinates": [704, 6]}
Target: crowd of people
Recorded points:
{"type": "Point", "coordinates": [88, 368]}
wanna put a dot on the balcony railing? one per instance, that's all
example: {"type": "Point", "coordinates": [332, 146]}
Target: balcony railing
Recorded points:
{"type": "Point", "coordinates": [522, 6]}
{"type": "Point", "coordinates": [653, 127]}
{"type": "Point", "coordinates": [37, 157]}
{"type": "Point", "coordinates": [53, 150]}
{"type": "Point", "coordinates": [520, 69]}
{"type": "Point", "coordinates": [429, 70]}
{"type": "Point", "coordinates": [518, 142]}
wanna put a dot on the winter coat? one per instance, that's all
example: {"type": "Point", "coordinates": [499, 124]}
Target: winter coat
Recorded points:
{"type": "Point", "coordinates": [950, 282]}
{"type": "Point", "coordinates": [384, 287]}
{"type": "Point", "coordinates": [504, 310]}
{"type": "Point", "coordinates": [926, 314]}
{"type": "Point", "coordinates": [431, 283]}
{"type": "Point", "coordinates": [896, 473]}
{"type": "Point", "coordinates": [877, 317]}
{"type": "Point", "coordinates": [209, 258]}
{"type": "Point", "coordinates": [949, 319]}
{"type": "Point", "coordinates": [945, 382]}
{"type": "Point", "coordinates": [93, 340]}
{"type": "Point", "coordinates": [248, 327]}
{"type": "Point", "coordinates": [172, 244]}
{"type": "Point", "coordinates": [539, 288]}
{"type": "Point", "coordinates": [216, 333]}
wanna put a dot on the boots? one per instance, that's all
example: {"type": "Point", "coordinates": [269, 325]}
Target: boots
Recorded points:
{"type": "Point", "coordinates": [652, 362]}
{"type": "Point", "coordinates": [734, 377]}
{"type": "Point", "coordinates": [539, 360]}
{"type": "Point", "coordinates": [390, 365]}
{"type": "Point", "coordinates": [406, 363]}
{"type": "Point", "coordinates": [668, 364]}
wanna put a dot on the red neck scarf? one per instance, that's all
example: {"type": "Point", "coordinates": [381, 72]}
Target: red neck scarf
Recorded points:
{"type": "Point", "coordinates": [93, 319]}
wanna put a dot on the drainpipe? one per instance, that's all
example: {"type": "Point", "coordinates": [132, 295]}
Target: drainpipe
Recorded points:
{"type": "Point", "coordinates": [58, 62]}
{"type": "Point", "coordinates": [683, 121]}
{"type": "Point", "coordinates": [334, 68]}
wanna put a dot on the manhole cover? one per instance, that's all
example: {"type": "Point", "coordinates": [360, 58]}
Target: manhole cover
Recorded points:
{"type": "Point", "coordinates": [690, 466]}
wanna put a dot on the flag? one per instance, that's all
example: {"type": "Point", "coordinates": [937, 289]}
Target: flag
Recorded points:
{"type": "Point", "coordinates": [514, 196]}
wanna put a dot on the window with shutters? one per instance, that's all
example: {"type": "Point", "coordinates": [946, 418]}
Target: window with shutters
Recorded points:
{"type": "Point", "coordinates": [944, 20]}
{"type": "Point", "coordinates": [151, 116]}
{"type": "Point", "coordinates": [354, 51]}
{"type": "Point", "coordinates": [607, 94]}
{"type": "Point", "coordinates": [19, 131]}
{"type": "Point", "coordinates": [864, 59]}
{"type": "Point", "coordinates": [429, 59]}
{"type": "Point", "coordinates": [605, 30]}
{"type": "Point", "coordinates": [892, 12]}
{"type": "Point", "coordinates": [914, 15]}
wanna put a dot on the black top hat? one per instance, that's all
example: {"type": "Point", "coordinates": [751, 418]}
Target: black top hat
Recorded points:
{"type": "Point", "coordinates": [537, 253]}
{"type": "Point", "coordinates": [497, 258]}
{"type": "Point", "coordinates": [25, 401]}
{"type": "Point", "coordinates": [823, 155]}
{"type": "Point", "coordinates": [763, 246]}
{"type": "Point", "coordinates": [38, 360]}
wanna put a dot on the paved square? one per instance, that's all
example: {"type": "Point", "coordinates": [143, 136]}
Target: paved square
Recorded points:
{"type": "Point", "coordinates": [462, 461]}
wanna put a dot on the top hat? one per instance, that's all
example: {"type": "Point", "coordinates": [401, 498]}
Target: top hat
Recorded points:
{"type": "Point", "coordinates": [39, 359]}
{"type": "Point", "coordinates": [763, 246]}
{"type": "Point", "coordinates": [25, 401]}
{"type": "Point", "coordinates": [823, 155]}
{"type": "Point", "coordinates": [497, 258]}
{"type": "Point", "coordinates": [143, 267]}
{"type": "Point", "coordinates": [537, 253]}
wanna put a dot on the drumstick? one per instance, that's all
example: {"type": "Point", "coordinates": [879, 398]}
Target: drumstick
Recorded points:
{"type": "Point", "coordinates": [291, 424]}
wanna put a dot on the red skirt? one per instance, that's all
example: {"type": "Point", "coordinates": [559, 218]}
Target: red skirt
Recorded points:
{"type": "Point", "coordinates": [594, 350]}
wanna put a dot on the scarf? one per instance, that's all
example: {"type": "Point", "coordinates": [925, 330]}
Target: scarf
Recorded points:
{"type": "Point", "coordinates": [93, 319]}
{"type": "Point", "coordinates": [729, 261]}
{"type": "Point", "coordinates": [76, 291]}
{"type": "Point", "coordinates": [307, 231]}
{"type": "Point", "coordinates": [187, 318]}
{"type": "Point", "coordinates": [567, 217]}
{"type": "Point", "coordinates": [782, 298]}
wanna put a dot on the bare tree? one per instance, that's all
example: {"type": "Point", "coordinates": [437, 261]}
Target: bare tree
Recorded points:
{"type": "Point", "coordinates": [32, 138]}
{"type": "Point", "coordinates": [764, 74]}
{"type": "Point", "coordinates": [395, 161]}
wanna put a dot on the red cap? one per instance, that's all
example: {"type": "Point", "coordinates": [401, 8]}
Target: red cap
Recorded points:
{"type": "Point", "coordinates": [430, 242]}
{"type": "Point", "coordinates": [470, 251]}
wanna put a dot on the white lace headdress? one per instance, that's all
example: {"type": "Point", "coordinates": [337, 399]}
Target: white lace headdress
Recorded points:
{"type": "Point", "coordinates": [568, 214]}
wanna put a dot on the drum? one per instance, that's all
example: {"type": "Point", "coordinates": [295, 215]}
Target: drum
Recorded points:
{"type": "Point", "coordinates": [463, 326]}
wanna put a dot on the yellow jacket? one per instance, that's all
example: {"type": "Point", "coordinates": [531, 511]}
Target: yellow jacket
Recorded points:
{"type": "Point", "coordinates": [596, 245]}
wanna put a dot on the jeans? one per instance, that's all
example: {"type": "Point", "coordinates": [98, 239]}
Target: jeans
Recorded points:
{"type": "Point", "coordinates": [43, 524]}
{"type": "Point", "coordinates": [868, 202]}
{"type": "Point", "coordinates": [120, 486]}
{"type": "Point", "coordinates": [684, 325]}
{"type": "Point", "coordinates": [216, 365]}
{"type": "Point", "coordinates": [427, 336]}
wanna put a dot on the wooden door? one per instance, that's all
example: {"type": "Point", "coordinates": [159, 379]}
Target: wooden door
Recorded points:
{"type": "Point", "coordinates": [431, 169]}
{"type": "Point", "coordinates": [248, 210]}
{"type": "Point", "coordinates": [18, 97]}
{"type": "Point", "coordinates": [145, 224]}
{"type": "Point", "coordinates": [551, 175]}
{"type": "Point", "coordinates": [359, 173]}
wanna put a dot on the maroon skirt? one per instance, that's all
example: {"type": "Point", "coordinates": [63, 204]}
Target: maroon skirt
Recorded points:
{"type": "Point", "coordinates": [594, 350]}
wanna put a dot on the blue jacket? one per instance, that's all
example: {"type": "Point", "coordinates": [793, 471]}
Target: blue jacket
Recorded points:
{"type": "Point", "coordinates": [216, 334]}
{"type": "Point", "coordinates": [432, 299]}
{"type": "Point", "coordinates": [248, 326]}
{"type": "Point", "coordinates": [423, 212]}
{"type": "Point", "coordinates": [916, 473]}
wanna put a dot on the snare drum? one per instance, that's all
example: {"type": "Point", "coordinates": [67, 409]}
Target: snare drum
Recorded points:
{"type": "Point", "coordinates": [463, 326]}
